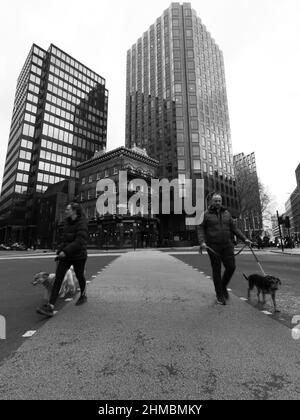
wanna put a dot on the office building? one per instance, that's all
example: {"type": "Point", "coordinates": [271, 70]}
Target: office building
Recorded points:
{"type": "Point", "coordinates": [59, 120]}
{"type": "Point", "coordinates": [176, 104]}
{"type": "Point", "coordinates": [248, 192]}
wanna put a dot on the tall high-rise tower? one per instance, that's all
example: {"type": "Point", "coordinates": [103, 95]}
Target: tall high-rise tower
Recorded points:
{"type": "Point", "coordinates": [59, 120]}
{"type": "Point", "coordinates": [176, 102]}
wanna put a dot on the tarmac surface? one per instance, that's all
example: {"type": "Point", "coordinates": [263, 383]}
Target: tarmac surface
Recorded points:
{"type": "Point", "coordinates": [151, 330]}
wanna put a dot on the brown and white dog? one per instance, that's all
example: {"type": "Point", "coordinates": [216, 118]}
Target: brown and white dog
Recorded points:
{"type": "Point", "coordinates": [265, 285]}
{"type": "Point", "coordinates": [68, 288]}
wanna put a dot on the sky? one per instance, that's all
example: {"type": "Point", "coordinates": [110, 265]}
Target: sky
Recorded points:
{"type": "Point", "coordinates": [260, 44]}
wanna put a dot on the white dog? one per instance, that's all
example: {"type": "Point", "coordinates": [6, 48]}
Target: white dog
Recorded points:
{"type": "Point", "coordinates": [68, 288]}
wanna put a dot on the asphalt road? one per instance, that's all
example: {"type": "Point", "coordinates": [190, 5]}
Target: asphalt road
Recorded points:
{"type": "Point", "coordinates": [19, 299]}
{"type": "Point", "coordinates": [287, 268]}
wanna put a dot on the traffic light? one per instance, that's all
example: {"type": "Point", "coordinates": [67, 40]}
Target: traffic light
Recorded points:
{"type": "Point", "coordinates": [280, 220]}
{"type": "Point", "coordinates": [287, 222]}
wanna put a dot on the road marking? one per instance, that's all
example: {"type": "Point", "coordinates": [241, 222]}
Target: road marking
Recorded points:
{"type": "Point", "coordinates": [88, 282]}
{"type": "Point", "coordinates": [68, 299]}
{"type": "Point", "coordinates": [29, 334]}
{"type": "Point", "coordinates": [229, 290]}
{"type": "Point", "coordinates": [93, 277]}
{"type": "Point", "coordinates": [244, 299]}
{"type": "Point", "coordinates": [266, 312]}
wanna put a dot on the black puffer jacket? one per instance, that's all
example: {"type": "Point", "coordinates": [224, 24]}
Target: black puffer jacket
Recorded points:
{"type": "Point", "coordinates": [218, 228]}
{"type": "Point", "coordinates": [75, 236]}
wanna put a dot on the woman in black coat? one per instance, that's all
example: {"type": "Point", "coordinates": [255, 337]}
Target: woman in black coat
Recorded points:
{"type": "Point", "coordinates": [72, 251]}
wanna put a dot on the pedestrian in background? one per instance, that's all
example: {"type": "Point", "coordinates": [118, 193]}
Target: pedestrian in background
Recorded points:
{"type": "Point", "coordinates": [72, 251]}
{"type": "Point", "coordinates": [215, 234]}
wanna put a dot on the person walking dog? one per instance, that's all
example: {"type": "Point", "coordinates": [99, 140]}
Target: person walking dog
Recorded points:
{"type": "Point", "coordinates": [72, 251]}
{"type": "Point", "coordinates": [215, 235]}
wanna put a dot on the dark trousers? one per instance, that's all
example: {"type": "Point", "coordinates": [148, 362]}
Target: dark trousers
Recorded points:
{"type": "Point", "coordinates": [225, 256]}
{"type": "Point", "coordinates": [62, 267]}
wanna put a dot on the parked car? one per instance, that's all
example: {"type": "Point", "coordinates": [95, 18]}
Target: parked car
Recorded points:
{"type": "Point", "coordinates": [18, 247]}
{"type": "Point", "coordinates": [4, 247]}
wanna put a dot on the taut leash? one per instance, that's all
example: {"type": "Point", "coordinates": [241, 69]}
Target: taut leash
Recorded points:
{"type": "Point", "coordinates": [259, 264]}
{"type": "Point", "coordinates": [214, 252]}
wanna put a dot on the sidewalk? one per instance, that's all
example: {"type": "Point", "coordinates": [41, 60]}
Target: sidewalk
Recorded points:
{"type": "Point", "coordinates": [151, 330]}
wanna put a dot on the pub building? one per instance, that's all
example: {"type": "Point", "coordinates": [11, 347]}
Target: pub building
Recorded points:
{"type": "Point", "coordinates": [120, 228]}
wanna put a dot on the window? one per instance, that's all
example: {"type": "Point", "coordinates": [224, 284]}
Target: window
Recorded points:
{"type": "Point", "coordinates": [180, 151]}
{"type": "Point", "coordinates": [196, 165]}
{"type": "Point", "coordinates": [83, 181]}
{"type": "Point", "coordinates": [195, 137]}
{"type": "Point", "coordinates": [181, 165]}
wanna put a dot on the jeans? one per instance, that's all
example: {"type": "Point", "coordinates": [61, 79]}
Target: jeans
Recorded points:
{"type": "Point", "coordinates": [226, 256]}
{"type": "Point", "coordinates": [62, 267]}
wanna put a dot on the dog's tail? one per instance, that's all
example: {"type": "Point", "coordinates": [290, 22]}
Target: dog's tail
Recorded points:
{"type": "Point", "coordinates": [245, 276]}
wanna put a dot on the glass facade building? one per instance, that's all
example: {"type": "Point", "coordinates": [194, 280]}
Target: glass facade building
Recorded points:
{"type": "Point", "coordinates": [176, 102]}
{"type": "Point", "coordinates": [59, 120]}
{"type": "Point", "coordinates": [248, 192]}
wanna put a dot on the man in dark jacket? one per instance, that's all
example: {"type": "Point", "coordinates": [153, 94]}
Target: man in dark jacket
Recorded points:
{"type": "Point", "coordinates": [215, 234]}
{"type": "Point", "coordinates": [72, 251]}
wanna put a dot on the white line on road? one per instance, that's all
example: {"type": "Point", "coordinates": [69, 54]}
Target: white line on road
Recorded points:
{"type": "Point", "coordinates": [36, 257]}
{"type": "Point", "coordinates": [68, 300]}
{"type": "Point", "coordinates": [29, 334]}
{"type": "Point", "coordinates": [244, 299]}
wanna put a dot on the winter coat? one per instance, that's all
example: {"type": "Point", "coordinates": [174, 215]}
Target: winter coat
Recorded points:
{"type": "Point", "coordinates": [217, 228]}
{"type": "Point", "coordinates": [75, 237]}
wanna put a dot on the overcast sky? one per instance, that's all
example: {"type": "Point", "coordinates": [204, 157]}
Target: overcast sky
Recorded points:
{"type": "Point", "coordinates": [259, 40]}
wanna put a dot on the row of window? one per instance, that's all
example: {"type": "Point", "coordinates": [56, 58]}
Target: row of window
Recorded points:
{"type": "Point", "coordinates": [82, 92]}
{"type": "Point", "coordinates": [32, 98]}
{"type": "Point", "coordinates": [25, 155]}
{"type": "Point", "coordinates": [77, 141]}
{"type": "Point", "coordinates": [28, 130]}
{"type": "Point", "coordinates": [85, 86]}
{"type": "Point", "coordinates": [23, 166]}
{"type": "Point", "coordinates": [75, 64]}
{"type": "Point", "coordinates": [20, 189]}
{"type": "Point", "coordinates": [26, 144]}
{"type": "Point", "coordinates": [48, 179]}
{"type": "Point", "coordinates": [38, 51]}
{"type": "Point", "coordinates": [55, 133]}
{"type": "Point", "coordinates": [65, 95]}
{"type": "Point", "coordinates": [37, 61]}
{"type": "Point", "coordinates": [59, 112]}
{"type": "Point", "coordinates": [63, 104]}
{"type": "Point", "coordinates": [22, 177]}
{"type": "Point", "coordinates": [56, 147]}
{"type": "Point", "coordinates": [30, 118]}
{"type": "Point", "coordinates": [31, 108]}
{"type": "Point", "coordinates": [36, 69]}
{"type": "Point", "coordinates": [57, 121]}
{"type": "Point", "coordinates": [55, 158]}
{"type": "Point", "coordinates": [35, 79]}
{"type": "Point", "coordinates": [33, 88]}
{"type": "Point", "coordinates": [41, 188]}
{"type": "Point", "coordinates": [55, 169]}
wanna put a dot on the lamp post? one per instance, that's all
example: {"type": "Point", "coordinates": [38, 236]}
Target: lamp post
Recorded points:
{"type": "Point", "coordinates": [282, 248]}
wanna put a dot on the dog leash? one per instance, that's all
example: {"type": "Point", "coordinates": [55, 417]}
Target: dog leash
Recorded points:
{"type": "Point", "coordinates": [214, 252]}
{"type": "Point", "coordinates": [259, 264]}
